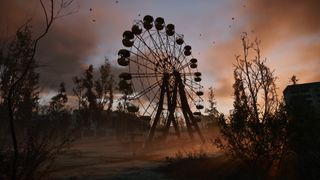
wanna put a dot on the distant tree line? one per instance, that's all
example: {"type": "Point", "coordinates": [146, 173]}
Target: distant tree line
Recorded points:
{"type": "Point", "coordinates": [94, 95]}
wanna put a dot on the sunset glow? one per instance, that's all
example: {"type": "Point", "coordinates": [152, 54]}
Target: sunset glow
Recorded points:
{"type": "Point", "coordinates": [289, 32]}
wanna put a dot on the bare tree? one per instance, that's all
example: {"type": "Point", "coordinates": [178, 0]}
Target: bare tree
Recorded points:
{"type": "Point", "coordinates": [57, 103]}
{"type": "Point", "coordinates": [213, 113]}
{"type": "Point", "coordinates": [50, 14]}
{"type": "Point", "coordinates": [256, 129]}
{"type": "Point", "coordinates": [94, 94]}
{"type": "Point", "coordinates": [294, 79]}
{"type": "Point", "coordinates": [104, 86]}
{"type": "Point", "coordinates": [78, 91]}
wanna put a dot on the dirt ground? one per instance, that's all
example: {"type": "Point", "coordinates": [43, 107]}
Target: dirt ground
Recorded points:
{"type": "Point", "coordinates": [120, 158]}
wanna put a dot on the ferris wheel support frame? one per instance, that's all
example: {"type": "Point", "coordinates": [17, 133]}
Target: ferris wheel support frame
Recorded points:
{"type": "Point", "coordinates": [191, 123]}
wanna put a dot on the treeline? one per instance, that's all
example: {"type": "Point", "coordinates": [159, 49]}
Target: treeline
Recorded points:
{"type": "Point", "coordinates": [94, 94]}
{"type": "Point", "coordinates": [41, 131]}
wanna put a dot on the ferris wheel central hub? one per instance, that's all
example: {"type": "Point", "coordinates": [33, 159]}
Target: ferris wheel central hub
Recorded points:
{"type": "Point", "coordinates": [163, 76]}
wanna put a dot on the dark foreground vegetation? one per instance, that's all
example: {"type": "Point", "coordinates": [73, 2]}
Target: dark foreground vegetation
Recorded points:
{"type": "Point", "coordinates": [219, 167]}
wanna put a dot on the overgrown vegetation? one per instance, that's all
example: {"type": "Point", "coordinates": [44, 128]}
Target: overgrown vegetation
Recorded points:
{"type": "Point", "coordinates": [187, 155]}
{"type": "Point", "coordinates": [37, 141]}
{"type": "Point", "coordinates": [256, 131]}
{"type": "Point", "coordinates": [94, 96]}
{"type": "Point", "coordinates": [27, 144]}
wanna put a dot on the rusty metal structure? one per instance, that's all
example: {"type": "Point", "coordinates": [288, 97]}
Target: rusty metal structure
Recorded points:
{"type": "Point", "coordinates": [162, 80]}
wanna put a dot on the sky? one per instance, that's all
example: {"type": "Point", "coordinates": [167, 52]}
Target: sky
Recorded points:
{"type": "Point", "coordinates": [289, 31]}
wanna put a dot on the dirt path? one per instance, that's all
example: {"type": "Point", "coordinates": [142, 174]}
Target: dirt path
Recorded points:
{"type": "Point", "coordinates": [101, 158]}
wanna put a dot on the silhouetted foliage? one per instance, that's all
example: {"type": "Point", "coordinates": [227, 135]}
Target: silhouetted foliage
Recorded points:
{"type": "Point", "coordinates": [90, 102]}
{"type": "Point", "coordinates": [126, 89]}
{"type": "Point", "coordinates": [39, 142]}
{"type": "Point", "coordinates": [212, 111]}
{"type": "Point", "coordinates": [58, 113]}
{"type": "Point", "coordinates": [104, 86]}
{"type": "Point", "coordinates": [294, 79]}
{"type": "Point", "coordinates": [125, 123]}
{"type": "Point", "coordinates": [13, 61]}
{"type": "Point", "coordinates": [212, 103]}
{"type": "Point", "coordinates": [58, 102]}
{"type": "Point", "coordinates": [19, 93]}
{"type": "Point", "coordinates": [256, 131]}
{"type": "Point", "coordinates": [95, 95]}
{"type": "Point", "coordinates": [78, 91]}
{"type": "Point", "coordinates": [38, 149]}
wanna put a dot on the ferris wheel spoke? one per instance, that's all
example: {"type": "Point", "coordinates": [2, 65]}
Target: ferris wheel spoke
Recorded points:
{"type": "Point", "coordinates": [132, 60]}
{"type": "Point", "coordinates": [176, 52]}
{"type": "Point", "coordinates": [142, 85]}
{"type": "Point", "coordinates": [192, 99]}
{"type": "Point", "coordinates": [142, 82]}
{"type": "Point", "coordinates": [143, 57]}
{"type": "Point", "coordinates": [156, 45]}
{"type": "Point", "coordinates": [148, 89]}
{"type": "Point", "coordinates": [174, 45]}
{"type": "Point", "coordinates": [192, 89]}
{"type": "Point", "coordinates": [145, 92]}
{"type": "Point", "coordinates": [155, 56]}
{"type": "Point", "coordinates": [187, 74]}
{"type": "Point", "coordinates": [138, 99]}
{"type": "Point", "coordinates": [150, 102]}
{"type": "Point", "coordinates": [146, 75]}
{"type": "Point", "coordinates": [146, 56]}
{"type": "Point", "coordinates": [148, 80]}
{"type": "Point", "coordinates": [183, 60]}
{"type": "Point", "coordinates": [177, 62]}
{"type": "Point", "coordinates": [161, 42]}
{"type": "Point", "coordinates": [169, 46]}
{"type": "Point", "coordinates": [184, 65]}
{"type": "Point", "coordinates": [192, 82]}
{"type": "Point", "coordinates": [180, 52]}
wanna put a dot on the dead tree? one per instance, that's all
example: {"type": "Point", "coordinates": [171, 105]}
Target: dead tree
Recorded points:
{"type": "Point", "coordinates": [256, 130]}
{"type": "Point", "coordinates": [50, 15]}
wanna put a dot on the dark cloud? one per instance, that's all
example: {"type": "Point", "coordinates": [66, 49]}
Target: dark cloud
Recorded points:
{"type": "Point", "coordinates": [64, 51]}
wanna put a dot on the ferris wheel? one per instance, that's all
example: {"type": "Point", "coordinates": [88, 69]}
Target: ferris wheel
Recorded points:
{"type": "Point", "coordinates": [162, 80]}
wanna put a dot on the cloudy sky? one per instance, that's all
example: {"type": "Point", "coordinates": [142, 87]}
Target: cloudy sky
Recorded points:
{"type": "Point", "coordinates": [289, 31]}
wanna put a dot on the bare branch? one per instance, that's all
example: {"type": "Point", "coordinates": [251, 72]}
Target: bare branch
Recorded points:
{"type": "Point", "coordinates": [49, 20]}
